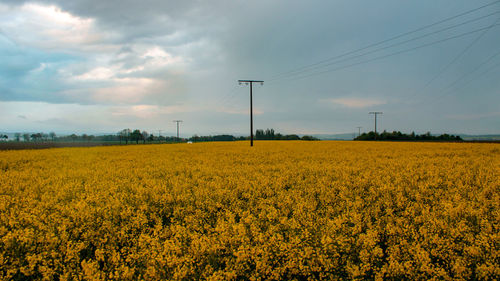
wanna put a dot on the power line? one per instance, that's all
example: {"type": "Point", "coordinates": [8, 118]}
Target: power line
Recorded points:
{"type": "Point", "coordinates": [386, 40]}
{"type": "Point", "coordinates": [448, 90]}
{"type": "Point", "coordinates": [229, 94]}
{"type": "Point", "coordinates": [393, 54]}
{"type": "Point", "coordinates": [229, 99]}
{"type": "Point", "coordinates": [309, 70]}
{"type": "Point", "coordinates": [387, 47]}
{"type": "Point", "coordinates": [484, 72]}
{"type": "Point", "coordinates": [460, 55]}
{"type": "Point", "coordinates": [450, 87]}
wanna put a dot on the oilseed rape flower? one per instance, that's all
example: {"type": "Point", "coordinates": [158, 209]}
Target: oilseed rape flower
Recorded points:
{"type": "Point", "coordinates": [283, 210]}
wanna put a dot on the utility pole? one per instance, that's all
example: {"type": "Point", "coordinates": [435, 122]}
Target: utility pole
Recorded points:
{"type": "Point", "coordinates": [359, 131]}
{"type": "Point", "coordinates": [375, 113]}
{"type": "Point", "coordinates": [159, 135]}
{"type": "Point", "coordinates": [251, 104]}
{"type": "Point", "coordinates": [177, 121]}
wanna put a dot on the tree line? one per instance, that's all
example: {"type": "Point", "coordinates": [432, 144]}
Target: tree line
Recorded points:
{"type": "Point", "coordinates": [123, 136]}
{"type": "Point", "coordinates": [260, 134]}
{"type": "Point", "coordinates": [36, 137]}
{"type": "Point", "coordinates": [398, 136]}
{"type": "Point", "coordinates": [127, 136]}
{"type": "Point", "coordinates": [269, 134]}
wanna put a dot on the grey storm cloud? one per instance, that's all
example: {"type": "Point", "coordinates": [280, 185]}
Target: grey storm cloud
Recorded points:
{"type": "Point", "coordinates": [143, 20]}
{"type": "Point", "coordinates": [189, 54]}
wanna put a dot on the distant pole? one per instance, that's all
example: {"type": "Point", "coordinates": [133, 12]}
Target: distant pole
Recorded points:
{"type": "Point", "coordinates": [375, 113]}
{"type": "Point", "coordinates": [359, 131]}
{"type": "Point", "coordinates": [177, 121]}
{"type": "Point", "coordinates": [251, 104]}
{"type": "Point", "coordinates": [159, 135]}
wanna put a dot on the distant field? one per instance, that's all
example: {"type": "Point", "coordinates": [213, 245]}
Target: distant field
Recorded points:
{"type": "Point", "coordinates": [10, 145]}
{"type": "Point", "coordinates": [42, 145]}
{"type": "Point", "coordinates": [286, 210]}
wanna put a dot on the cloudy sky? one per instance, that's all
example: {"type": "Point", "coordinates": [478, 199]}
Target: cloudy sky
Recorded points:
{"type": "Point", "coordinates": [93, 66]}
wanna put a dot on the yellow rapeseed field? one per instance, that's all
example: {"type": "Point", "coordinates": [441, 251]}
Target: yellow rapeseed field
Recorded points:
{"type": "Point", "coordinates": [225, 211]}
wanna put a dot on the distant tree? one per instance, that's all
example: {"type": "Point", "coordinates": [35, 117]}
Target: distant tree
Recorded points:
{"type": "Point", "coordinates": [52, 136]}
{"type": "Point", "coordinates": [124, 135]}
{"type": "Point", "coordinates": [107, 138]}
{"type": "Point", "coordinates": [145, 136]}
{"type": "Point", "coordinates": [367, 136]}
{"type": "Point", "coordinates": [259, 134]}
{"type": "Point", "coordinates": [5, 137]}
{"type": "Point", "coordinates": [195, 138]}
{"type": "Point", "coordinates": [427, 136]}
{"type": "Point", "coordinates": [120, 136]}
{"type": "Point", "coordinates": [17, 137]}
{"type": "Point", "coordinates": [223, 138]}
{"type": "Point", "coordinates": [36, 136]}
{"type": "Point", "coordinates": [26, 137]}
{"type": "Point", "coordinates": [398, 136]}
{"type": "Point", "coordinates": [269, 135]}
{"type": "Point", "coordinates": [136, 136]}
{"type": "Point", "coordinates": [73, 137]}
{"type": "Point", "coordinates": [309, 138]}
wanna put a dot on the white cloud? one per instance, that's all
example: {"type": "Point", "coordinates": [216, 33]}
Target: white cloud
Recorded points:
{"type": "Point", "coordinates": [114, 91]}
{"type": "Point", "coordinates": [126, 90]}
{"type": "Point", "coordinates": [48, 27]}
{"type": "Point", "coordinates": [139, 60]}
{"type": "Point", "coordinates": [98, 73]}
{"type": "Point", "coordinates": [355, 102]}
{"type": "Point", "coordinates": [41, 68]}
